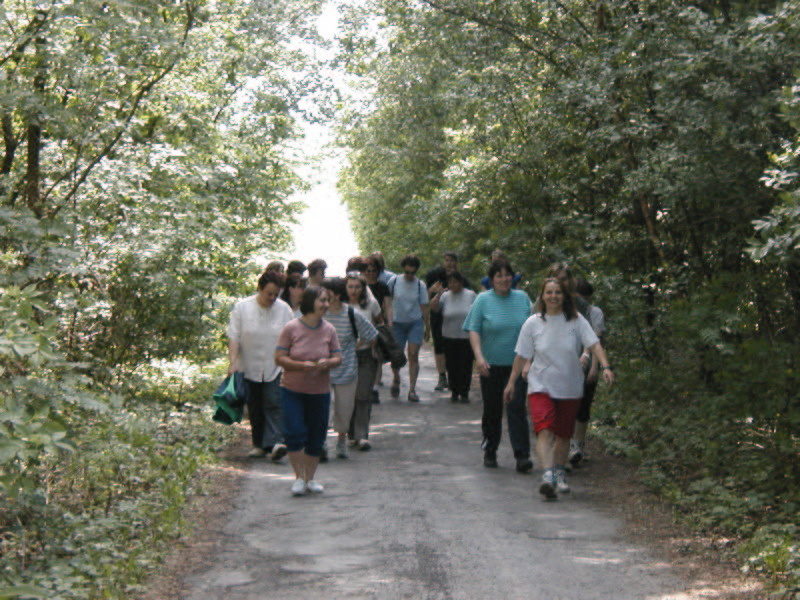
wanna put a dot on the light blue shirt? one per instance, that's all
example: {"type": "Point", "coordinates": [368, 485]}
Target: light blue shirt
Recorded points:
{"type": "Point", "coordinates": [407, 298]}
{"type": "Point", "coordinates": [498, 320]}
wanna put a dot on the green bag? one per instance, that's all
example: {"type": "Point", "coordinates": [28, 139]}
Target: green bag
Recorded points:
{"type": "Point", "coordinates": [230, 399]}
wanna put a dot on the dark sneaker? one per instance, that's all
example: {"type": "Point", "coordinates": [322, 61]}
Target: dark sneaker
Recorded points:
{"type": "Point", "coordinates": [490, 459]}
{"type": "Point", "coordinates": [524, 465]}
{"type": "Point", "coordinates": [442, 384]}
{"type": "Point", "coordinates": [412, 397]}
{"type": "Point", "coordinates": [454, 398]}
{"type": "Point", "coordinates": [278, 452]}
{"type": "Point", "coordinates": [464, 399]}
{"type": "Point", "coordinates": [395, 389]}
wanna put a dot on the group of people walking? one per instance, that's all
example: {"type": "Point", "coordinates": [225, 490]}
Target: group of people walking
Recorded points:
{"type": "Point", "coordinates": [302, 343]}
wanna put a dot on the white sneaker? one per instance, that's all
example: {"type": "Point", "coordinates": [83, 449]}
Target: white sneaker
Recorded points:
{"type": "Point", "coordinates": [256, 453]}
{"type": "Point", "coordinates": [341, 448]}
{"type": "Point", "coordinates": [314, 487]}
{"type": "Point", "coordinates": [299, 487]}
{"type": "Point", "coordinates": [562, 487]}
{"type": "Point", "coordinates": [278, 452]}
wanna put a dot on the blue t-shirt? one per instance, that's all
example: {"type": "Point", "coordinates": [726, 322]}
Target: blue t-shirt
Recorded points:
{"type": "Point", "coordinates": [498, 320]}
{"type": "Point", "coordinates": [407, 298]}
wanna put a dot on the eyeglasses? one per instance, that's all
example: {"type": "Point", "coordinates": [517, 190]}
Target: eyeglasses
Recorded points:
{"type": "Point", "coordinates": [410, 272]}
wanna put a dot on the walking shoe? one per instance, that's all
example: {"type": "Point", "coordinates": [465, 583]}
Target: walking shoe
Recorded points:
{"type": "Point", "coordinates": [548, 486]}
{"type": "Point", "coordinates": [562, 487]}
{"type": "Point", "coordinates": [395, 389]}
{"type": "Point", "coordinates": [256, 453]}
{"type": "Point", "coordinates": [442, 384]}
{"type": "Point", "coordinates": [412, 396]}
{"type": "Point", "coordinates": [298, 487]}
{"type": "Point", "coordinates": [376, 398]}
{"type": "Point", "coordinates": [524, 465]}
{"type": "Point", "coordinates": [575, 453]}
{"type": "Point", "coordinates": [454, 398]}
{"type": "Point", "coordinates": [465, 399]}
{"type": "Point", "coordinates": [363, 445]}
{"type": "Point", "coordinates": [490, 459]}
{"type": "Point", "coordinates": [341, 448]}
{"type": "Point", "coordinates": [314, 487]}
{"type": "Point", "coordinates": [278, 452]}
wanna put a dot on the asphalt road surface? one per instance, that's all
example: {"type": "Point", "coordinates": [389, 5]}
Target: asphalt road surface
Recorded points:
{"type": "Point", "coordinates": [419, 517]}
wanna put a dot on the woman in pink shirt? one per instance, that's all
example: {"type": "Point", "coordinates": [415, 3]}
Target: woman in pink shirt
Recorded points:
{"type": "Point", "coordinates": [308, 349]}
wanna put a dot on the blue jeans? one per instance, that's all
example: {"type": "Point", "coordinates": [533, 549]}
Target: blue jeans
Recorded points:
{"type": "Point", "coordinates": [411, 332]}
{"type": "Point", "coordinates": [305, 420]}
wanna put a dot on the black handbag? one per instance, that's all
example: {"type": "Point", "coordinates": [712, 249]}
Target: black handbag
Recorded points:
{"type": "Point", "coordinates": [390, 350]}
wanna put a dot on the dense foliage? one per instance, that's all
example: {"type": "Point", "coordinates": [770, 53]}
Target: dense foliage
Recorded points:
{"type": "Point", "coordinates": [654, 146]}
{"type": "Point", "coordinates": [143, 167]}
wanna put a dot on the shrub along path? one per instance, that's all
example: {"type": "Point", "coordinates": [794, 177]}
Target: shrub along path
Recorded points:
{"type": "Point", "coordinates": [420, 517]}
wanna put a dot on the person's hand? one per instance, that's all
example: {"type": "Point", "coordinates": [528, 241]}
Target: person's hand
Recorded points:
{"type": "Point", "coordinates": [508, 393]}
{"type": "Point", "coordinates": [608, 376]}
{"type": "Point", "coordinates": [323, 364]}
{"type": "Point", "coordinates": [593, 373]}
{"type": "Point", "coordinates": [483, 367]}
{"type": "Point", "coordinates": [585, 358]}
{"type": "Point", "coordinates": [436, 288]}
{"type": "Point", "coordinates": [308, 365]}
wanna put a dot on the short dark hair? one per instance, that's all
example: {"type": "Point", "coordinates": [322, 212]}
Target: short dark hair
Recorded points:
{"type": "Point", "coordinates": [275, 265]}
{"type": "Point", "coordinates": [451, 254]}
{"type": "Point", "coordinates": [357, 263]}
{"type": "Point", "coordinates": [556, 268]}
{"type": "Point", "coordinates": [378, 255]}
{"type": "Point", "coordinates": [337, 287]}
{"type": "Point", "coordinates": [268, 277]}
{"type": "Point", "coordinates": [317, 265]}
{"type": "Point", "coordinates": [410, 260]}
{"type": "Point", "coordinates": [568, 306]}
{"type": "Point", "coordinates": [295, 266]}
{"type": "Point", "coordinates": [501, 264]}
{"type": "Point", "coordinates": [309, 298]}
{"type": "Point", "coordinates": [292, 281]}
{"type": "Point", "coordinates": [373, 261]}
{"type": "Point", "coordinates": [584, 288]}
{"type": "Point", "coordinates": [456, 276]}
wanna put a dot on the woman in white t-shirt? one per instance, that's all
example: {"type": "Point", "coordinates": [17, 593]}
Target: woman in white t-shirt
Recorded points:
{"type": "Point", "coordinates": [454, 304]}
{"type": "Point", "coordinates": [548, 350]}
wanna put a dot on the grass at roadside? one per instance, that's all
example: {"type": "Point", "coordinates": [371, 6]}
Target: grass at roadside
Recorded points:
{"type": "Point", "coordinates": [101, 517]}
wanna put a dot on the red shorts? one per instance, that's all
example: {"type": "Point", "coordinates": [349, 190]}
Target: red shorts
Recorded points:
{"type": "Point", "coordinates": [557, 416]}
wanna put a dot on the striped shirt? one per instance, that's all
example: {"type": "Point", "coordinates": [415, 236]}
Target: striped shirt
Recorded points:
{"type": "Point", "coordinates": [347, 371]}
{"type": "Point", "coordinates": [498, 320]}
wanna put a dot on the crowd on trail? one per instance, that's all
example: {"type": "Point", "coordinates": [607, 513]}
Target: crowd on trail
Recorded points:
{"type": "Point", "coordinates": [309, 343]}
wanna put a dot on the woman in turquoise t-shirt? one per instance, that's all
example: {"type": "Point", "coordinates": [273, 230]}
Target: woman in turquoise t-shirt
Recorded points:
{"type": "Point", "coordinates": [493, 323]}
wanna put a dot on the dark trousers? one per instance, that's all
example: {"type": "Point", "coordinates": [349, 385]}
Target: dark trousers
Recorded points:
{"type": "Point", "coordinates": [458, 359]}
{"type": "Point", "coordinates": [362, 413]}
{"type": "Point", "coordinates": [264, 409]}
{"type": "Point", "coordinates": [518, 430]}
{"type": "Point", "coordinates": [584, 412]}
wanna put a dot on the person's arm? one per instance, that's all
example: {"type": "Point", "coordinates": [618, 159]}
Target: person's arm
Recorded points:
{"type": "Point", "coordinates": [521, 365]}
{"type": "Point", "coordinates": [233, 355]}
{"type": "Point", "coordinates": [282, 359]}
{"type": "Point", "coordinates": [426, 320]}
{"type": "Point", "coordinates": [436, 304]}
{"type": "Point", "coordinates": [605, 366]}
{"type": "Point", "coordinates": [475, 342]}
{"type": "Point", "coordinates": [387, 310]}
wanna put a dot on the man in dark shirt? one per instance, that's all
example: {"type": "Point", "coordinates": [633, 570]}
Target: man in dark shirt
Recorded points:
{"type": "Point", "coordinates": [436, 280]}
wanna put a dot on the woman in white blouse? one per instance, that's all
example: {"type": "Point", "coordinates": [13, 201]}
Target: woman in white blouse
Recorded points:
{"type": "Point", "coordinates": [253, 332]}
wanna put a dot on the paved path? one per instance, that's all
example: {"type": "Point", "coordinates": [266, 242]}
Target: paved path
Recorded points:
{"type": "Point", "coordinates": [419, 517]}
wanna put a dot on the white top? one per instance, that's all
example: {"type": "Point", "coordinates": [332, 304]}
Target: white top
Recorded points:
{"type": "Point", "coordinates": [597, 320]}
{"type": "Point", "coordinates": [371, 312]}
{"type": "Point", "coordinates": [256, 329]}
{"type": "Point", "coordinates": [455, 308]}
{"type": "Point", "coordinates": [555, 345]}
